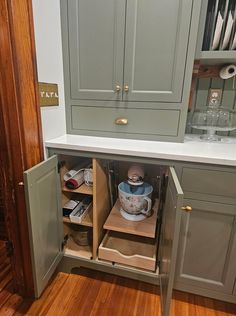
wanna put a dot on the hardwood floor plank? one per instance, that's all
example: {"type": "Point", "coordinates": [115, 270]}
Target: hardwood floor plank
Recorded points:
{"type": "Point", "coordinates": [102, 304]}
{"type": "Point", "coordinates": [24, 308]}
{"type": "Point", "coordinates": [92, 293]}
{"type": "Point", "coordinates": [43, 304]}
{"type": "Point", "coordinates": [6, 270]}
{"type": "Point", "coordinates": [4, 262]}
{"type": "Point", "coordinates": [68, 299]}
{"type": "Point", "coordinates": [115, 301]}
{"type": "Point", "coordinates": [148, 300]}
{"type": "Point", "coordinates": [5, 294]}
{"type": "Point", "coordinates": [11, 305]}
{"type": "Point", "coordinates": [106, 295]}
{"type": "Point", "coordinates": [6, 280]}
{"type": "Point", "coordinates": [179, 305]}
{"type": "Point", "coordinates": [100, 292]}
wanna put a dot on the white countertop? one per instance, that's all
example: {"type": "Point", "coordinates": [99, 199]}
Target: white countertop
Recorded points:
{"type": "Point", "coordinates": [192, 150]}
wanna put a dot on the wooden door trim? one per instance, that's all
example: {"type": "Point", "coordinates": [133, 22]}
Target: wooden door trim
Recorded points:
{"type": "Point", "coordinates": [19, 107]}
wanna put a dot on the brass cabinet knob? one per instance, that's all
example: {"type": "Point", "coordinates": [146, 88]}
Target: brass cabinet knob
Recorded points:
{"type": "Point", "coordinates": [126, 88]}
{"type": "Point", "coordinates": [187, 208]}
{"type": "Point", "coordinates": [121, 121]}
{"type": "Point", "coordinates": [117, 88]}
{"type": "Point", "coordinates": [21, 184]}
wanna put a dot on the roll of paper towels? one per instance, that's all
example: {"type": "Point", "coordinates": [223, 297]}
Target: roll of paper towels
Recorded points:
{"type": "Point", "coordinates": [228, 72]}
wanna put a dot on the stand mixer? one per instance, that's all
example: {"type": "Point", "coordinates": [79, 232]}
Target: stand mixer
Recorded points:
{"type": "Point", "coordinates": [135, 195]}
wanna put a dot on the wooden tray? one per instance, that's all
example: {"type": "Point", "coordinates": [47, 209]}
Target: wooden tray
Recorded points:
{"type": "Point", "coordinates": [86, 221]}
{"type": "Point", "coordinates": [146, 227]}
{"type": "Point", "coordinates": [139, 252]}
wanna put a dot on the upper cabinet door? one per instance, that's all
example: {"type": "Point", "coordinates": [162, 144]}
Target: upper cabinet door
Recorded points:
{"type": "Point", "coordinates": [157, 34]}
{"type": "Point", "coordinates": [169, 239]}
{"type": "Point", "coordinates": [96, 41]}
{"type": "Point", "coordinates": [45, 220]}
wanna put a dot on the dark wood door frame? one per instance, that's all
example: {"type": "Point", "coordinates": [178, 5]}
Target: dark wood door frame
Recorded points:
{"type": "Point", "coordinates": [20, 130]}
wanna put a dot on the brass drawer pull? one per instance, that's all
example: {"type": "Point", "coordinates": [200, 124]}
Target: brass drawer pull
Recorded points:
{"type": "Point", "coordinates": [117, 88]}
{"type": "Point", "coordinates": [126, 88]}
{"type": "Point", "coordinates": [187, 208]}
{"type": "Point", "coordinates": [121, 121]}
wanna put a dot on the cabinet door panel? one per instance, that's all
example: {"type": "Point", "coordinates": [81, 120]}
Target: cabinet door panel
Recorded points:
{"type": "Point", "coordinates": [45, 220]}
{"type": "Point", "coordinates": [96, 41]}
{"type": "Point", "coordinates": [169, 238]}
{"type": "Point", "coordinates": [207, 247]}
{"type": "Point", "coordinates": [156, 46]}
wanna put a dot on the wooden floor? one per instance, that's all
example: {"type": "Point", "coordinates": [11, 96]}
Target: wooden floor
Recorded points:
{"type": "Point", "coordinates": [98, 294]}
{"type": "Point", "coordinates": [5, 267]}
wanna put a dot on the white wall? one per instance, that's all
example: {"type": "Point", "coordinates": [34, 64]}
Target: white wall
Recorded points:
{"type": "Point", "coordinates": [49, 62]}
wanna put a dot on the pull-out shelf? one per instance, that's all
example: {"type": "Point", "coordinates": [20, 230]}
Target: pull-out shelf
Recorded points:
{"type": "Point", "coordinates": [136, 251]}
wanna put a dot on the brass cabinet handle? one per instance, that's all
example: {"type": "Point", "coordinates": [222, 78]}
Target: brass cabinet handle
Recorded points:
{"type": "Point", "coordinates": [21, 184]}
{"type": "Point", "coordinates": [121, 121]}
{"type": "Point", "coordinates": [187, 208]}
{"type": "Point", "coordinates": [126, 88]}
{"type": "Point", "coordinates": [117, 88]}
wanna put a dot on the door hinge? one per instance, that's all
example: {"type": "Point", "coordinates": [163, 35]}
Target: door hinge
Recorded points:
{"type": "Point", "coordinates": [9, 248]}
{"type": "Point", "coordinates": [64, 242]}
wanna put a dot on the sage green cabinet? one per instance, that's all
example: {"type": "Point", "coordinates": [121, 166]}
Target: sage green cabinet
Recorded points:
{"type": "Point", "coordinates": [156, 46]}
{"type": "Point", "coordinates": [207, 245]}
{"type": "Point", "coordinates": [45, 221]}
{"type": "Point", "coordinates": [148, 40]}
{"type": "Point", "coordinates": [129, 54]}
{"type": "Point", "coordinates": [96, 48]}
{"type": "Point", "coordinates": [169, 238]}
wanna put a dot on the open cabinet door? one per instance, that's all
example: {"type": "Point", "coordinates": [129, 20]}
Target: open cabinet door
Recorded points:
{"type": "Point", "coordinates": [169, 238]}
{"type": "Point", "coordinates": [44, 219]}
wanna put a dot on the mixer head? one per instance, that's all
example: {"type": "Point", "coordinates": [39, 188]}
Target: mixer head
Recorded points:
{"type": "Point", "coordinates": [135, 175]}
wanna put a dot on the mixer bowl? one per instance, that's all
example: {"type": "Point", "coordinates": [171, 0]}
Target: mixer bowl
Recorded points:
{"type": "Point", "coordinates": [135, 200]}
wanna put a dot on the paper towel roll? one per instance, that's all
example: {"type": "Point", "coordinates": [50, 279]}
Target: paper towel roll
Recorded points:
{"type": "Point", "coordinates": [228, 72]}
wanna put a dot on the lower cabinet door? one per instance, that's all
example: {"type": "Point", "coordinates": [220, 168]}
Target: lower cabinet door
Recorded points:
{"type": "Point", "coordinates": [170, 228]}
{"type": "Point", "coordinates": [44, 220]}
{"type": "Point", "coordinates": [207, 248]}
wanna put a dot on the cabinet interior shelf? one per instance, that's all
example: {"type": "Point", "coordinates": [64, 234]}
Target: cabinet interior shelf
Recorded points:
{"type": "Point", "coordinates": [83, 189]}
{"type": "Point", "coordinates": [218, 56]}
{"type": "Point", "coordinates": [86, 221]}
{"type": "Point", "coordinates": [75, 250]}
{"type": "Point", "coordinates": [146, 227]}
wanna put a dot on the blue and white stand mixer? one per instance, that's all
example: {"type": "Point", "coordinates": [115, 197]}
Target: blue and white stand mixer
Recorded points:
{"type": "Point", "coordinates": [135, 195]}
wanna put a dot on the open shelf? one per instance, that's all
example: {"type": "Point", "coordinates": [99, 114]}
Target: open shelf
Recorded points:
{"type": "Point", "coordinates": [73, 249]}
{"type": "Point", "coordinates": [214, 57]}
{"type": "Point", "coordinates": [146, 227]}
{"type": "Point", "coordinates": [83, 189]}
{"type": "Point", "coordinates": [87, 220]}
